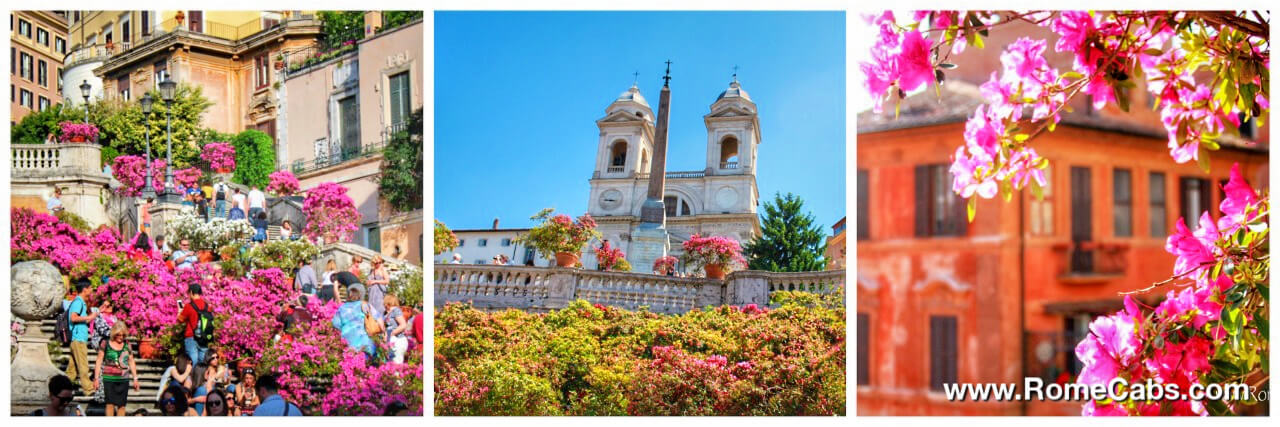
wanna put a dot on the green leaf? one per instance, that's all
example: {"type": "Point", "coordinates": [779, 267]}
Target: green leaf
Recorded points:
{"type": "Point", "coordinates": [973, 207]}
{"type": "Point", "coordinates": [1021, 137]}
{"type": "Point", "coordinates": [1072, 75]}
{"type": "Point", "coordinates": [1264, 326]}
{"type": "Point", "coordinates": [947, 66]}
{"type": "Point", "coordinates": [1265, 291]}
{"type": "Point", "coordinates": [1036, 190]}
{"type": "Point", "coordinates": [1153, 52]}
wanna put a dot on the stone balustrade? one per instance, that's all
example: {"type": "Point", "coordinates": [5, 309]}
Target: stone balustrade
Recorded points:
{"type": "Point", "coordinates": [62, 158]}
{"type": "Point", "coordinates": [542, 288]}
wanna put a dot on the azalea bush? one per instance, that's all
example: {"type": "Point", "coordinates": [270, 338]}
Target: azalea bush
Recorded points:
{"type": "Point", "coordinates": [608, 257]}
{"type": "Point", "coordinates": [701, 251]}
{"type": "Point", "coordinates": [665, 264]}
{"type": "Point", "coordinates": [68, 131]}
{"type": "Point", "coordinates": [284, 255]}
{"type": "Point", "coordinates": [1206, 70]}
{"type": "Point", "coordinates": [147, 302]}
{"type": "Point", "coordinates": [187, 178]}
{"type": "Point", "coordinates": [215, 233]}
{"type": "Point", "coordinates": [331, 214]}
{"type": "Point", "coordinates": [360, 389]}
{"type": "Point", "coordinates": [220, 156]}
{"type": "Point", "coordinates": [283, 183]}
{"type": "Point", "coordinates": [559, 233]}
{"type": "Point", "coordinates": [35, 235]}
{"type": "Point", "coordinates": [595, 360]}
{"type": "Point", "coordinates": [131, 171]}
{"type": "Point", "coordinates": [444, 239]}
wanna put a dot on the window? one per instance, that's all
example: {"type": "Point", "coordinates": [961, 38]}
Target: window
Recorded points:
{"type": "Point", "coordinates": [122, 87]}
{"type": "Point", "coordinates": [146, 23]}
{"type": "Point", "coordinates": [1158, 209]}
{"type": "Point", "coordinates": [42, 37]}
{"type": "Point", "coordinates": [1122, 185]}
{"type": "Point", "coordinates": [484, 242]}
{"type": "Point", "coordinates": [942, 351]}
{"type": "Point", "coordinates": [864, 349]}
{"type": "Point", "coordinates": [671, 202]}
{"type": "Point", "coordinates": [60, 45]}
{"type": "Point", "coordinates": [24, 98]}
{"type": "Point", "coordinates": [462, 242]}
{"type": "Point", "coordinates": [43, 104]}
{"type": "Point", "coordinates": [349, 110]}
{"type": "Point", "coordinates": [939, 211]}
{"type": "Point", "coordinates": [26, 67]}
{"type": "Point", "coordinates": [13, 94]}
{"type": "Point", "coordinates": [59, 79]}
{"type": "Point", "coordinates": [479, 262]}
{"type": "Point", "coordinates": [24, 28]}
{"type": "Point", "coordinates": [106, 34]}
{"type": "Point", "coordinates": [1248, 127]}
{"type": "Point", "coordinates": [1081, 219]}
{"type": "Point", "coordinates": [195, 21]}
{"type": "Point", "coordinates": [126, 28]}
{"type": "Point", "coordinates": [13, 65]}
{"type": "Point", "coordinates": [1042, 208]}
{"type": "Point", "coordinates": [373, 237]}
{"type": "Point", "coordinates": [400, 98]}
{"type": "Point", "coordinates": [864, 210]}
{"type": "Point", "coordinates": [729, 153]}
{"type": "Point", "coordinates": [1195, 200]}
{"type": "Point", "coordinates": [161, 74]}
{"type": "Point", "coordinates": [42, 73]}
{"type": "Point", "coordinates": [75, 16]}
{"type": "Point", "coordinates": [261, 71]}
{"type": "Point", "coordinates": [506, 242]}
{"type": "Point", "coordinates": [618, 156]}
{"type": "Point", "coordinates": [1076, 329]}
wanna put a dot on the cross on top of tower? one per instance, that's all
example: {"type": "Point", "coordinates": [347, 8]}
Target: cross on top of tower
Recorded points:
{"type": "Point", "coordinates": [666, 80]}
{"type": "Point", "coordinates": [636, 80]}
{"type": "Point", "coordinates": [735, 73]}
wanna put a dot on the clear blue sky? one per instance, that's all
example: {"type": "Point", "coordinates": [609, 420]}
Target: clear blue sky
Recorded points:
{"type": "Point", "coordinates": [517, 95]}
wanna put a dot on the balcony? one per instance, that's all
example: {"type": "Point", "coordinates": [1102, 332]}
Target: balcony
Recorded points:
{"type": "Point", "coordinates": [86, 54]}
{"type": "Point", "coordinates": [616, 169]}
{"type": "Point", "coordinates": [74, 158]}
{"type": "Point", "coordinates": [1091, 262]}
{"type": "Point", "coordinates": [341, 153]}
{"type": "Point", "coordinates": [729, 165]}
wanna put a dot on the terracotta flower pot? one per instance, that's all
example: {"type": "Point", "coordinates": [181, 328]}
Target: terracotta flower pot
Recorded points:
{"type": "Point", "coordinates": [715, 271]}
{"type": "Point", "coordinates": [147, 348]}
{"type": "Point", "coordinates": [77, 138]}
{"type": "Point", "coordinates": [245, 363]}
{"type": "Point", "coordinates": [279, 65]}
{"type": "Point", "coordinates": [224, 170]}
{"type": "Point", "coordinates": [566, 259]}
{"type": "Point", "coordinates": [205, 255]}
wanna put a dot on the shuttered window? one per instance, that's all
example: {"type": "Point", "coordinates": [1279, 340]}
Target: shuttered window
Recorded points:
{"type": "Point", "coordinates": [864, 349]}
{"type": "Point", "coordinates": [942, 351]}
{"type": "Point", "coordinates": [1081, 219]}
{"type": "Point", "coordinates": [864, 205]}
{"type": "Point", "coordinates": [1195, 200]}
{"type": "Point", "coordinates": [1122, 195]}
{"type": "Point", "coordinates": [939, 211]}
{"type": "Point", "coordinates": [1158, 205]}
{"type": "Point", "coordinates": [399, 94]}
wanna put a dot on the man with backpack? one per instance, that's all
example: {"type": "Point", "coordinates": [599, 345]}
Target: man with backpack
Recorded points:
{"type": "Point", "coordinates": [199, 324]}
{"type": "Point", "coordinates": [76, 335]}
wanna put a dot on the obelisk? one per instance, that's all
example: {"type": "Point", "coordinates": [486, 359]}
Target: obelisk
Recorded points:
{"type": "Point", "coordinates": [649, 240]}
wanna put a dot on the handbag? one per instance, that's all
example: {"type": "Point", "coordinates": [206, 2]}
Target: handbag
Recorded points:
{"type": "Point", "coordinates": [371, 325]}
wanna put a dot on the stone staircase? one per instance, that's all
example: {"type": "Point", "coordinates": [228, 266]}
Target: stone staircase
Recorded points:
{"type": "Point", "coordinates": [149, 373]}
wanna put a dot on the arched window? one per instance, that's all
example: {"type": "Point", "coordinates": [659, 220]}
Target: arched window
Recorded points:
{"type": "Point", "coordinates": [618, 156]}
{"type": "Point", "coordinates": [676, 206]}
{"type": "Point", "coordinates": [669, 202]}
{"type": "Point", "coordinates": [729, 153]}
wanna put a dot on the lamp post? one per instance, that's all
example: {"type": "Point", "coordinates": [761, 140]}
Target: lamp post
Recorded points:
{"type": "Point", "coordinates": [84, 91]}
{"type": "Point", "coordinates": [147, 190]}
{"type": "Point", "coordinates": [166, 92]}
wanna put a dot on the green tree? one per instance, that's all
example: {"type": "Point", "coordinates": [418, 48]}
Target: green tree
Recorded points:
{"type": "Point", "coordinates": [395, 18]}
{"type": "Point", "coordinates": [401, 181]}
{"type": "Point", "coordinates": [35, 127]}
{"type": "Point", "coordinates": [255, 158]}
{"type": "Point", "coordinates": [341, 26]}
{"type": "Point", "coordinates": [122, 124]}
{"type": "Point", "coordinates": [790, 240]}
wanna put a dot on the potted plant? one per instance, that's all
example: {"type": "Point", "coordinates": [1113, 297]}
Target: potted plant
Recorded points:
{"type": "Point", "coordinates": [283, 183]}
{"type": "Point", "coordinates": [77, 132]}
{"type": "Point", "coordinates": [560, 237]}
{"type": "Point", "coordinates": [611, 258]}
{"type": "Point", "coordinates": [220, 155]}
{"type": "Point", "coordinates": [665, 265]}
{"type": "Point", "coordinates": [716, 255]}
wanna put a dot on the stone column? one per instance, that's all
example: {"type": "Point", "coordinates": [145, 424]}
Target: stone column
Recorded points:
{"type": "Point", "coordinates": [164, 209]}
{"type": "Point", "coordinates": [563, 285]}
{"type": "Point", "coordinates": [747, 287]}
{"type": "Point", "coordinates": [36, 294]}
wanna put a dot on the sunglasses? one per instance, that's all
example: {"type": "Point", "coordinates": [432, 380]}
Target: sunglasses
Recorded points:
{"type": "Point", "coordinates": [215, 403]}
{"type": "Point", "coordinates": [170, 401]}
{"type": "Point", "coordinates": [65, 398]}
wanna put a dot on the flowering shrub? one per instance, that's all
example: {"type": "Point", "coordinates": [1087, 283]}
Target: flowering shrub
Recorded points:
{"type": "Point", "coordinates": [216, 233]}
{"type": "Point", "coordinates": [1170, 49]}
{"type": "Point", "coordinates": [131, 172]}
{"type": "Point", "coordinates": [559, 233]}
{"type": "Point", "coordinates": [445, 240]}
{"type": "Point", "coordinates": [68, 131]}
{"type": "Point", "coordinates": [282, 183]}
{"type": "Point", "coordinates": [360, 389]}
{"type": "Point", "coordinates": [608, 257]}
{"type": "Point", "coordinates": [701, 251]}
{"type": "Point", "coordinates": [665, 265]}
{"type": "Point", "coordinates": [220, 156]}
{"type": "Point", "coordinates": [1211, 332]}
{"type": "Point", "coordinates": [187, 178]}
{"type": "Point", "coordinates": [331, 215]}
{"type": "Point", "coordinates": [148, 302]}
{"type": "Point", "coordinates": [595, 360]}
{"type": "Point", "coordinates": [282, 254]}
{"type": "Point", "coordinates": [42, 236]}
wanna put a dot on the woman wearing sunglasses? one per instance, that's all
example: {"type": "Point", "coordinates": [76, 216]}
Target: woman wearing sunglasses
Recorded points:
{"type": "Point", "coordinates": [215, 404]}
{"type": "Point", "coordinates": [115, 369]}
{"type": "Point", "coordinates": [173, 403]}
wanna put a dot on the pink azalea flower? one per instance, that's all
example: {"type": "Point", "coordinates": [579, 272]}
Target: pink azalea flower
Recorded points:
{"type": "Point", "coordinates": [1192, 253]}
{"type": "Point", "coordinates": [1238, 196]}
{"type": "Point", "coordinates": [1024, 60]}
{"type": "Point", "coordinates": [913, 62]}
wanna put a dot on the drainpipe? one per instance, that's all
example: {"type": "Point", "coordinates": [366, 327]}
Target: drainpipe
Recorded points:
{"type": "Point", "coordinates": [1022, 291]}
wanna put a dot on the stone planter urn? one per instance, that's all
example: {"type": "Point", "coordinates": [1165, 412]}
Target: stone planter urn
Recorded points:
{"type": "Point", "coordinates": [36, 291]}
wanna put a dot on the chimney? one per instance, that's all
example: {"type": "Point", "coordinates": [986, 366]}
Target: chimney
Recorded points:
{"type": "Point", "coordinates": [495, 223]}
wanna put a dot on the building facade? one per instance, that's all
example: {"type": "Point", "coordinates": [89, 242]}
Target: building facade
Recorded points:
{"type": "Point", "coordinates": [835, 254]}
{"type": "Point", "coordinates": [37, 43]}
{"type": "Point", "coordinates": [337, 115]}
{"type": "Point", "coordinates": [1008, 296]}
{"type": "Point", "coordinates": [479, 246]}
{"type": "Point", "coordinates": [719, 200]}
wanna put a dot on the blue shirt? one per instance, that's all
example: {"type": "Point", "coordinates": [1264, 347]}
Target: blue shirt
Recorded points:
{"type": "Point", "coordinates": [275, 406]}
{"type": "Point", "coordinates": [350, 320]}
{"type": "Point", "coordinates": [53, 203]}
{"type": "Point", "coordinates": [79, 330]}
{"type": "Point", "coordinates": [200, 391]}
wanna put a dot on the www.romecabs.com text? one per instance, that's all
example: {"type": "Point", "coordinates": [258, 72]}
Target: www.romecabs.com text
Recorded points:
{"type": "Point", "coordinates": [1118, 389]}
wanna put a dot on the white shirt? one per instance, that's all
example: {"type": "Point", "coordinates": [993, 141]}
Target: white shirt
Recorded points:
{"type": "Point", "coordinates": [238, 200]}
{"type": "Point", "coordinates": [257, 199]}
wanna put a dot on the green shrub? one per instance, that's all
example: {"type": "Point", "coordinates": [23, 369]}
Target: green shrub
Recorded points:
{"type": "Point", "coordinates": [255, 158]}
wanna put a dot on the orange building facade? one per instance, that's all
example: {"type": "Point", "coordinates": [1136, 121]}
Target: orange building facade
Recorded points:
{"type": "Point", "coordinates": [1008, 296]}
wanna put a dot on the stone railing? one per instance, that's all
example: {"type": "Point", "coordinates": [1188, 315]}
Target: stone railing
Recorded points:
{"type": "Point", "coordinates": [63, 158]}
{"type": "Point", "coordinates": [539, 288]}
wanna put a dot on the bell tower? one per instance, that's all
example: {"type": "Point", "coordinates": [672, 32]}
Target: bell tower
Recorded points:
{"type": "Point", "coordinates": [733, 132]}
{"type": "Point", "coordinates": [626, 137]}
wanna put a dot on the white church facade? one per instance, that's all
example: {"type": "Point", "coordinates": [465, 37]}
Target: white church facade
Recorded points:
{"type": "Point", "coordinates": [720, 199]}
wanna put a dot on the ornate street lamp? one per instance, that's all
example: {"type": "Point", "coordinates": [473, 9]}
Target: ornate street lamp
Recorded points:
{"type": "Point", "coordinates": [166, 93]}
{"type": "Point", "coordinates": [84, 91]}
{"type": "Point", "coordinates": [147, 190]}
